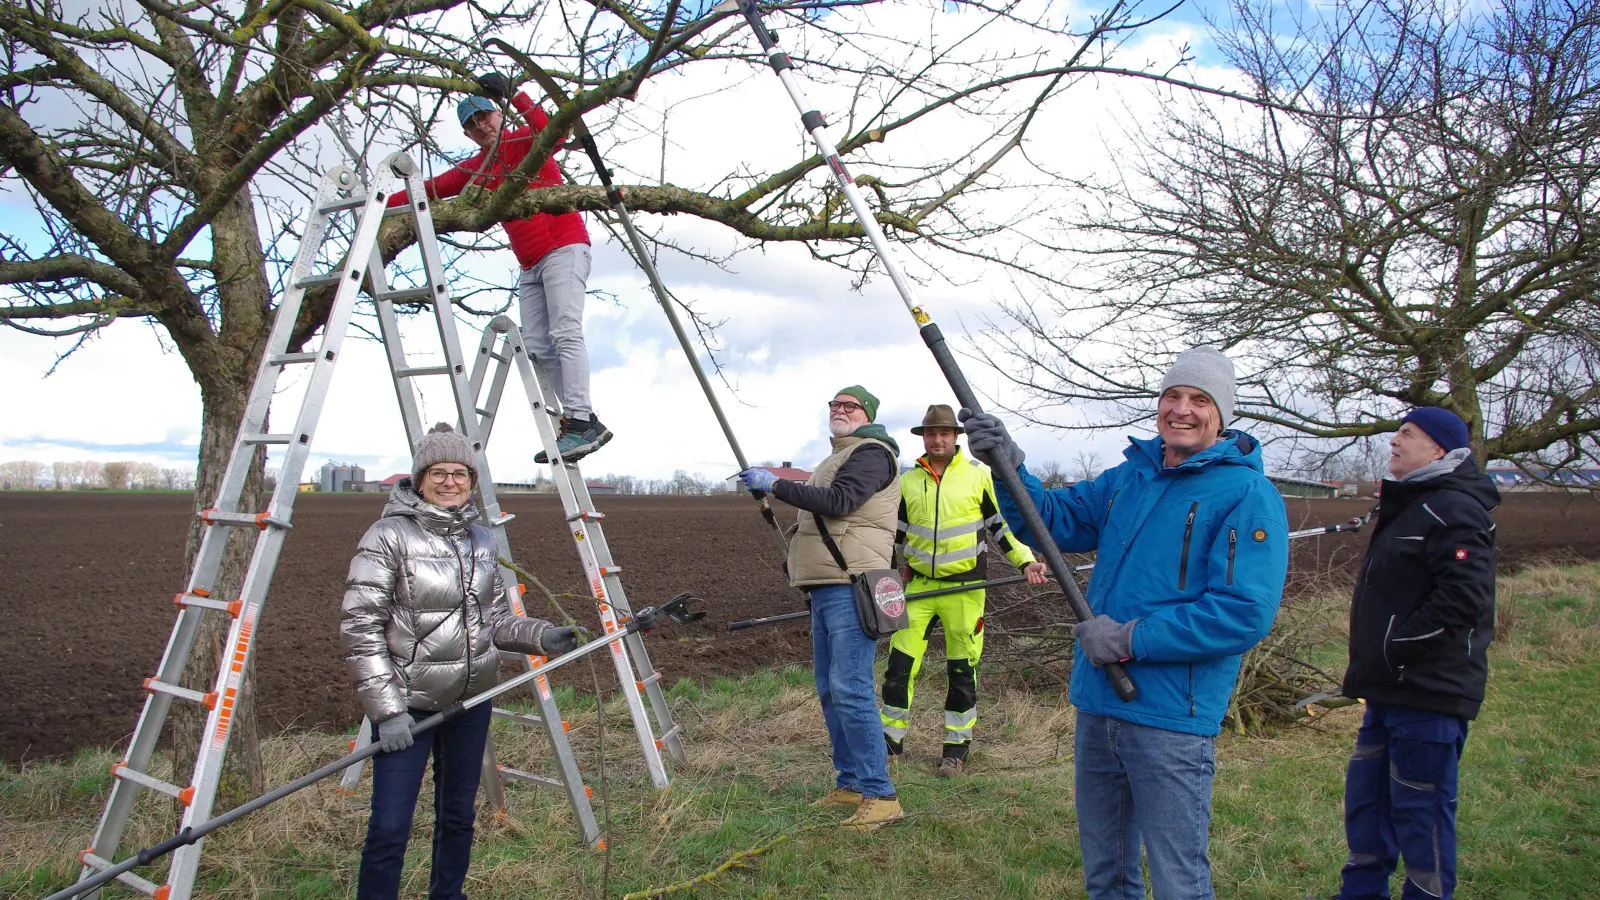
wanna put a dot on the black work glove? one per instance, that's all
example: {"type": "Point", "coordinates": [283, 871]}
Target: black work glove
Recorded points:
{"type": "Point", "coordinates": [1105, 640]}
{"type": "Point", "coordinates": [559, 639]}
{"type": "Point", "coordinates": [989, 441]}
{"type": "Point", "coordinates": [495, 86]}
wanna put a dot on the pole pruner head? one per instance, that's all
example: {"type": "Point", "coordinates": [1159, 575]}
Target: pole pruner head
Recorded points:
{"type": "Point", "coordinates": [676, 611]}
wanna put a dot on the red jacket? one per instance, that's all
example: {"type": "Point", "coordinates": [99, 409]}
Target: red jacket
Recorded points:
{"type": "Point", "coordinates": [537, 235]}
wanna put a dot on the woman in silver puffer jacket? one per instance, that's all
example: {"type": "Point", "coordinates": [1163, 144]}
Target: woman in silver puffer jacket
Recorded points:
{"type": "Point", "coordinates": [425, 615]}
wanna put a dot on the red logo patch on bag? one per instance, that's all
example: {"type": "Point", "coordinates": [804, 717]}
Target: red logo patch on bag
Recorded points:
{"type": "Point", "coordinates": [1461, 554]}
{"type": "Point", "coordinates": [890, 596]}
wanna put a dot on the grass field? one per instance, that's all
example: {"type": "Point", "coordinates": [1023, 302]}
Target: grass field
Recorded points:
{"type": "Point", "coordinates": [1529, 819]}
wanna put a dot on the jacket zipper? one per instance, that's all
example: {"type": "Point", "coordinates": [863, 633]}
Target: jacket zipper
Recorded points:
{"type": "Point", "coordinates": [933, 567]}
{"type": "Point", "coordinates": [1112, 501]}
{"type": "Point", "coordinates": [466, 626]}
{"type": "Point", "coordinates": [1188, 531]}
{"type": "Point", "coordinates": [1191, 689]}
{"type": "Point", "coordinates": [1233, 544]}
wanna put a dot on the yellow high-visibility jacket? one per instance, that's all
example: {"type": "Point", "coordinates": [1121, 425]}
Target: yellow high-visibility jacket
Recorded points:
{"type": "Point", "coordinates": [944, 520]}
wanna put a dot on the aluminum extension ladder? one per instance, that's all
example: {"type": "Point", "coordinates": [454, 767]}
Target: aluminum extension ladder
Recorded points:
{"type": "Point", "coordinates": [338, 193]}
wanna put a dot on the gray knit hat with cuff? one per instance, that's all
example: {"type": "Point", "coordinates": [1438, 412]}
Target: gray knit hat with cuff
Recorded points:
{"type": "Point", "coordinates": [442, 444]}
{"type": "Point", "coordinates": [1208, 370]}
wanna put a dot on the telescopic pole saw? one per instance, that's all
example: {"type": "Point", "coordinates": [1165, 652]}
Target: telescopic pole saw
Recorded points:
{"type": "Point", "coordinates": [674, 610]}
{"type": "Point", "coordinates": [641, 254]}
{"type": "Point", "coordinates": [931, 336]}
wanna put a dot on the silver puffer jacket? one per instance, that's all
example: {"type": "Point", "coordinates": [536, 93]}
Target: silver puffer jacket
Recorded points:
{"type": "Point", "coordinates": [425, 609]}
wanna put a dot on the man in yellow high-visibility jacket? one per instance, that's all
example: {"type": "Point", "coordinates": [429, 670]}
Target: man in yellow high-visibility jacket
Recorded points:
{"type": "Point", "coordinates": [947, 510]}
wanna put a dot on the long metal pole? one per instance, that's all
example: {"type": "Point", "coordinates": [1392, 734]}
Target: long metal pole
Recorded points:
{"type": "Point", "coordinates": [931, 336]}
{"type": "Point", "coordinates": [641, 255]}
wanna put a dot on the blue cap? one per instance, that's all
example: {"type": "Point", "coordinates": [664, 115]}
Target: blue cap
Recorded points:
{"type": "Point", "coordinates": [473, 105]}
{"type": "Point", "coordinates": [1444, 426]}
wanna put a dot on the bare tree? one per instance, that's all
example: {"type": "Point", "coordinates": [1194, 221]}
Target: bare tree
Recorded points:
{"type": "Point", "coordinates": [1417, 233]}
{"type": "Point", "coordinates": [116, 475]}
{"type": "Point", "coordinates": [1086, 465]}
{"type": "Point", "coordinates": [159, 143]}
{"type": "Point", "coordinates": [146, 476]}
{"type": "Point", "coordinates": [174, 479]}
{"type": "Point", "coordinates": [1051, 474]}
{"type": "Point", "coordinates": [19, 475]}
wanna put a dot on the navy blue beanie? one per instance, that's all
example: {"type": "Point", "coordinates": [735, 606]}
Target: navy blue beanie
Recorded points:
{"type": "Point", "coordinates": [1444, 426]}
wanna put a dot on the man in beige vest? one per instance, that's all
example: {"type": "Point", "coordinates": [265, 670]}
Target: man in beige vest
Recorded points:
{"type": "Point", "coordinates": [855, 495]}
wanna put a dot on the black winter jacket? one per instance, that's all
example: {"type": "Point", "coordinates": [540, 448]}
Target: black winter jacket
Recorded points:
{"type": "Point", "coordinates": [1423, 613]}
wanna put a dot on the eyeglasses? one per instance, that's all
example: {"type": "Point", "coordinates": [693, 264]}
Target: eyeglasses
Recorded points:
{"type": "Point", "coordinates": [439, 476]}
{"type": "Point", "coordinates": [844, 406]}
{"type": "Point", "coordinates": [478, 124]}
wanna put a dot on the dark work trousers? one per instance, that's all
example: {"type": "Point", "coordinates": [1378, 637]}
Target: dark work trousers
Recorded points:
{"type": "Point", "coordinates": [1400, 803]}
{"type": "Point", "coordinates": [457, 751]}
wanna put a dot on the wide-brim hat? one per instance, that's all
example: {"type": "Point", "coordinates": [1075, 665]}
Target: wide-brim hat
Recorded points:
{"type": "Point", "coordinates": [939, 415]}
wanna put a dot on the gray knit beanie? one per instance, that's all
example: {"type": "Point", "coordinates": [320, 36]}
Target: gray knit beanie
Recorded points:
{"type": "Point", "coordinates": [442, 444]}
{"type": "Point", "coordinates": [1206, 369]}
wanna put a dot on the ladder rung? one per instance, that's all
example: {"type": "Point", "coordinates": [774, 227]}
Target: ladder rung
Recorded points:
{"type": "Point", "coordinates": [258, 520]}
{"type": "Point", "coordinates": [591, 515]}
{"type": "Point", "coordinates": [610, 571]}
{"type": "Point", "coordinates": [127, 878]}
{"type": "Point", "coordinates": [266, 438]}
{"type": "Point", "coordinates": [354, 201]}
{"type": "Point", "coordinates": [208, 700]}
{"type": "Point", "coordinates": [182, 795]}
{"type": "Point", "coordinates": [486, 413]}
{"type": "Point", "coordinates": [519, 775]}
{"type": "Point", "coordinates": [414, 371]}
{"type": "Point", "coordinates": [501, 519]}
{"type": "Point", "coordinates": [403, 209]}
{"type": "Point", "coordinates": [316, 281]}
{"type": "Point", "coordinates": [652, 678]}
{"type": "Point", "coordinates": [286, 359]}
{"type": "Point", "coordinates": [519, 718]}
{"type": "Point", "coordinates": [231, 608]}
{"type": "Point", "coordinates": [669, 733]}
{"type": "Point", "coordinates": [400, 296]}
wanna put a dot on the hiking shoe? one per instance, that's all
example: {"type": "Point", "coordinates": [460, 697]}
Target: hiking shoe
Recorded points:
{"type": "Point", "coordinates": [578, 439]}
{"type": "Point", "coordinates": [839, 797]}
{"type": "Point", "coordinates": [543, 458]}
{"type": "Point", "coordinates": [874, 814]}
{"type": "Point", "coordinates": [950, 767]}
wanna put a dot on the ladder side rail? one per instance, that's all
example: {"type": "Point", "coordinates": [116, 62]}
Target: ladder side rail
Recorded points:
{"type": "Point", "coordinates": [509, 344]}
{"type": "Point", "coordinates": [389, 332]}
{"type": "Point", "coordinates": [214, 540]}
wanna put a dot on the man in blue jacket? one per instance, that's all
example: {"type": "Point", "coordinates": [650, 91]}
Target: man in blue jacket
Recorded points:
{"type": "Point", "coordinates": [1192, 550]}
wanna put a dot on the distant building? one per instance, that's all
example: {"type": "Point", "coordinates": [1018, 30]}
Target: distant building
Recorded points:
{"type": "Point", "coordinates": [1299, 487]}
{"type": "Point", "coordinates": [308, 487]}
{"type": "Point", "coordinates": [600, 487]}
{"type": "Point", "coordinates": [787, 471]}
{"type": "Point", "coordinates": [336, 477]}
{"type": "Point", "coordinates": [1564, 479]}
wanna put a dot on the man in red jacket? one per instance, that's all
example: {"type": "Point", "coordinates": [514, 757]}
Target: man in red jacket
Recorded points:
{"type": "Point", "coordinates": [553, 251]}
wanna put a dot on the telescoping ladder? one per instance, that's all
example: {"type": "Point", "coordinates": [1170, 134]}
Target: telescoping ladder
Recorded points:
{"type": "Point", "coordinates": [339, 193]}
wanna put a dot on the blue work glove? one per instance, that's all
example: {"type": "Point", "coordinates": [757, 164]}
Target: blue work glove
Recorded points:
{"type": "Point", "coordinates": [989, 441]}
{"type": "Point", "coordinates": [494, 85]}
{"type": "Point", "coordinates": [758, 480]}
{"type": "Point", "coordinates": [559, 639]}
{"type": "Point", "coordinates": [394, 733]}
{"type": "Point", "coordinates": [1105, 640]}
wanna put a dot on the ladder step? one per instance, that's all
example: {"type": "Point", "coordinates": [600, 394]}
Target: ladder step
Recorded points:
{"type": "Point", "coordinates": [208, 700]}
{"type": "Point", "coordinates": [257, 520]}
{"type": "Point", "coordinates": [182, 795]}
{"type": "Point", "coordinates": [591, 515]}
{"type": "Point", "coordinates": [127, 878]}
{"type": "Point", "coordinates": [401, 296]}
{"type": "Point", "coordinates": [403, 209]}
{"type": "Point", "coordinates": [266, 438]}
{"type": "Point", "coordinates": [519, 775]}
{"type": "Point", "coordinates": [414, 371]}
{"type": "Point", "coordinates": [520, 718]}
{"type": "Point", "coordinates": [661, 742]}
{"type": "Point", "coordinates": [499, 520]}
{"type": "Point", "coordinates": [610, 571]}
{"type": "Point", "coordinates": [652, 678]}
{"type": "Point", "coordinates": [231, 608]}
{"type": "Point", "coordinates": [316, 281]}
{"type": "Point", "coordinates": [355, 201]}
{"type": "Point", "coordinates": [287, 359]}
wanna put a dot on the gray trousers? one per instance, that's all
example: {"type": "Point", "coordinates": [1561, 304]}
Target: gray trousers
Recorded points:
{"type": "Point", "coordinates": [550, 295]}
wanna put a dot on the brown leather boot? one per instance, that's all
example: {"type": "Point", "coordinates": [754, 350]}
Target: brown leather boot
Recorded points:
{"type": "Point", "coordinates": [874, 814]}
{"type": "Point", "coordinates": [950, 767]}
{"type": "Point", "coordinates": [839, 797]}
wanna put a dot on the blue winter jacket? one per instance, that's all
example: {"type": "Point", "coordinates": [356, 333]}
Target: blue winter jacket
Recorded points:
{"type": "Point", "coordinates": [1196, 552]}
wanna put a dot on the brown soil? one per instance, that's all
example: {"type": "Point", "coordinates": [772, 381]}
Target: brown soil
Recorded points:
{"type": "Point", "coordinates": [89, 578]}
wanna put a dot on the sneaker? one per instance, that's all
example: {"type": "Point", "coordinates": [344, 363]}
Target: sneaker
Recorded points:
{"type": "Point", "coordinates": [950, 767]}
{"type": "Point", "coordinates": [839, 797]}
{"type": "Point", "coordinates": [543, 458]}
{"type": "Point", "coordinates": [874, 814]}
{"type": "Point", "coordinates": [578, 439]}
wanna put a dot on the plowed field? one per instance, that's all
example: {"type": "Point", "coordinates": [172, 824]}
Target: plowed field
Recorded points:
{"type": "Point", "coordinates": [86, 585]}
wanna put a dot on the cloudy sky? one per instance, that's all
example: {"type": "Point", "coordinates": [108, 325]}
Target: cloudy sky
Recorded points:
{"type": "Point", "coordinates": [793, 329]}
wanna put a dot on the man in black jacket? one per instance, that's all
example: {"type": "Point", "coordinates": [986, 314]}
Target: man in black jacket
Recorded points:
{"type": "Point", "coordinates": [1420, 626]}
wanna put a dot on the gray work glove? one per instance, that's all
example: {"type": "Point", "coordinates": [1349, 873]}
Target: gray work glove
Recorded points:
{"type": "Point", "coordinates": [989, 441]}
{"type": "Point", "coordinates": [394, 733]}
{"type": "Point", "coordinates": [494, 85]}
{"type": "Point", "coordinates": [559, 639]}
{"type": "Point", "coordinates": [1105, 640]}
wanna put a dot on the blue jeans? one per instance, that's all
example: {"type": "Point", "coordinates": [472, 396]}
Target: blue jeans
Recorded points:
{"type": "Point", "coordinates": [1137, 784]}
{"type": "Point", "coordinates": [457, 751]}
{"type": "Point", "coordinates": [1400, 803]}
{"type": "Point", "coordinates": [842, 655]}
{"type": "Point", "coordinates": [550, 296]}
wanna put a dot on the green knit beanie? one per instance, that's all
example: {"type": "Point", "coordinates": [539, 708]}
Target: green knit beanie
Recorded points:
{"type": "Point", "coordinates": [869, 403]}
